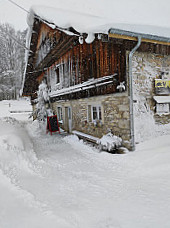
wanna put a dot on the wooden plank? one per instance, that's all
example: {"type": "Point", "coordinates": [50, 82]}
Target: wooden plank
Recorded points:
{"type": "Point", "coordinates": [97, 59]}
{"type": "Point", "coordinates": [80, 62]}
{"type": "Point", "coordinates": [101, 59]}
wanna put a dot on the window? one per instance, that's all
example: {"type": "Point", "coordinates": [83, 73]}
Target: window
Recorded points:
{"type": "Point", "coordinates": [60, 114]}
{"type": "Point", "coordinates": [162, 108]}
{"type": "Point", "coordinates": [69, 113]}
{"type": "Point", "coordinates": [96, 113]}
{"type": "Point", "coordinates": [57, 75]}
{"type": "Point", "coordinates": [162, 104]}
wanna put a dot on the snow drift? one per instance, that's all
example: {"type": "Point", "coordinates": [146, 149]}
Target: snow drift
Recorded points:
{"type": "Point", "coordinates": [55, 181]}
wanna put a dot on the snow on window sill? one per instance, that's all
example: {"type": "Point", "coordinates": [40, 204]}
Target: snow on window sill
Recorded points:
{"type": "Point", "coordinates": [163, 114]}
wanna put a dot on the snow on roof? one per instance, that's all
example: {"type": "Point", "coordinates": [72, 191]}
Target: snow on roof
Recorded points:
{"type": "Point", "coordinates": [142, 17]}
{"type": "Point", "coordinates": [162, 99]}
{"type": "Point", "coordinates": [91, 83]}
{"type": "Point", "coordinates": [84, 23]}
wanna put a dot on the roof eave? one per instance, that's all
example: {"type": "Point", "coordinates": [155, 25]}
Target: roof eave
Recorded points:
{"type": "Point", "coordinates": [123, 34]}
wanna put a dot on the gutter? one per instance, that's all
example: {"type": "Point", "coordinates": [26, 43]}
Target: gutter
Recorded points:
{"type": "Point", "coordinates": [127, 35]}
{"type": "Point", "coordinates": [131, 93]}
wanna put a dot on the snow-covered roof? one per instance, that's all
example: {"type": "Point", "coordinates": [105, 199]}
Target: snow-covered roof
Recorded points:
{"type": "Point", "coordinates": [91, 83]}
{"type": "Point", "coordinates": [84, 23]}
{"type": "Point", "coordinates": [162, 99]}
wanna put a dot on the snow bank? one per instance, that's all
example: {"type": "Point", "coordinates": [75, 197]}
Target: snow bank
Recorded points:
{"type": "Point", "coordinates": [16, 149]}
{"type": "Point", "coordinates": [55, 181]}
{"type": "Point", "coordinates": [18, 109]}
{"type": "Point", "coordinates": [79, 144]}
{"type": "Point", "coordinates": [146, 128]}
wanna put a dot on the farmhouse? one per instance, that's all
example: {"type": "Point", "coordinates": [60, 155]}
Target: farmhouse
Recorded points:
{"type": "Point", "coordinates": [101, 77]}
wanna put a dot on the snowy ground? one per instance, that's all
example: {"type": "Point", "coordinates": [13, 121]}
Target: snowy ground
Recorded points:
{"type": "Point", "coordinates": [56, 181]}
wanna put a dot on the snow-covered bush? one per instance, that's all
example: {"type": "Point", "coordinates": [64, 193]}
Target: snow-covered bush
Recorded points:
{"type": "Point", "coordinates": [109, 142]}
{"type": "Point", "coordinates": [43, 103]}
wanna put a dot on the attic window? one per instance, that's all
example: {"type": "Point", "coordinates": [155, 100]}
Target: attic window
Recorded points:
{"type": "Point", "coordinates": [57, 71]}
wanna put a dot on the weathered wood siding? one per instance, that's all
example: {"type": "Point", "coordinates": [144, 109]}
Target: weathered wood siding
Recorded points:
{"type": "Point", "coordinates": [52, 48]}
{"type": "Point", "coordinates": [83, 62]}
{"type": "Point", "coordinates": [77, 63]}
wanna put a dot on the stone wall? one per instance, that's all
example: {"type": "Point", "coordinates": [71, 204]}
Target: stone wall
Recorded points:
{"type": "Point", "coordinates": [146, 68]}
{"type": "Point", "coordinates": [115, 115]}
{"type": "Point", "coordinates": [162, 119]}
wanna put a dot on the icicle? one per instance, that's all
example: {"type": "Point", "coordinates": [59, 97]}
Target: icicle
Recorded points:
{"type": "Point", "coordinates": [90, 38]}
{"type": "Point", "coordinates": [81, 41]}
{"type": "Point", "coordinates": [99, 36]}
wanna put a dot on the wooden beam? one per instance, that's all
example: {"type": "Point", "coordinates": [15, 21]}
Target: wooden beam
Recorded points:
{"type": "Point", "coordinates": [125, 37]}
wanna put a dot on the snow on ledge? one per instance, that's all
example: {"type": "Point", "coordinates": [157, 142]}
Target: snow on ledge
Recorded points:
{"type": "Point", "coordinates": [83, 135]}
{"type": "Point", "coordinates": [83, 86]}
{"type": "Point", "coordinates": [162, 99]}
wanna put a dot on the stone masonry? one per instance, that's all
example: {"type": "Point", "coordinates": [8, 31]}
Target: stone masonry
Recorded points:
{"type": "Point", "coordinates": [146, 68]}
{"type": "Point", "coordinates": [115, 115]}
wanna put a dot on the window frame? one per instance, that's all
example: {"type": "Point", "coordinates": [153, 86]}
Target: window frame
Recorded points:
{"type": "Point", "coordinates": [60, 113]}
{"type": "Point", "coordinates": [98, 111]}
{"type": "Point", "coordinates": [57, 73]}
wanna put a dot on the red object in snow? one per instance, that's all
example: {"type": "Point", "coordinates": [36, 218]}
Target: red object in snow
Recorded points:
{"type": "Point", "coordinates": [52, 124]}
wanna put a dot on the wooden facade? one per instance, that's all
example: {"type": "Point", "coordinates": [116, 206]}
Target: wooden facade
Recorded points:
{"type": "Point", "coordinates": [75, 63]}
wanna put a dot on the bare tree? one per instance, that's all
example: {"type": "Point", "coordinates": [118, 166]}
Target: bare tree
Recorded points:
{"type": "Point", "coordinates": [11, 61]}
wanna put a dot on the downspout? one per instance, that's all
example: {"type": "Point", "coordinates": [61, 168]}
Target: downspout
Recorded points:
{"type": "Point", "coordinates": [132, 134]}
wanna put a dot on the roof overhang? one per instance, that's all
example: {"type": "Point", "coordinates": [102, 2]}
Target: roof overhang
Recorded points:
{"type": "Point", "coordinates": [127, 35]}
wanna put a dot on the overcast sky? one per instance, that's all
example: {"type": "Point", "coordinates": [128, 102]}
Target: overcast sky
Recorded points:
{"type": "Point", "coordinates": [17, 17]}
{"type": "Point", "coordinates": [152, 12]}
